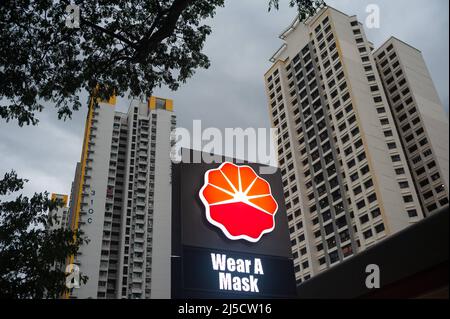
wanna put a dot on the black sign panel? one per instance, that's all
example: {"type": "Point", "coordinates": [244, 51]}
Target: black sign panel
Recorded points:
{"type": "Point", "coordinates": [194, 239]}
{"type": "Point", "coordinates": [225, 274]}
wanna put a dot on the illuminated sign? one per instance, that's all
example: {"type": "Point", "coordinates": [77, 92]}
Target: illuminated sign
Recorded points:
{"type": "Point", "coordinates": [227, 266]}
{"type": "Point", "coordinates": [215, 273]}
{"type": "Point", "coordinates": [230, 233]}
{"type": "Point", "coordinates": [239, 202]}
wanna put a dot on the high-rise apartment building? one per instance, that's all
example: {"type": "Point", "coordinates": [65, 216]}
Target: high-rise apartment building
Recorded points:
{"type": "Point", "coordinates": [346, 179]}
{"type": "Point", "coordinates": [121, 200]}
{"type": "Point", "coordinates": [420, 119]}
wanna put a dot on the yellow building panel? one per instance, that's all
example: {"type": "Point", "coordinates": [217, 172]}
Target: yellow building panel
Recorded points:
{"type": "Point", "coordinates": [111, 101]}
{"type": "Point", "coordinates": [169, 105]}
{"type": "Point", "coordinates": [152, 103]}
{"type": "Point", "coordinates": [63, 197]}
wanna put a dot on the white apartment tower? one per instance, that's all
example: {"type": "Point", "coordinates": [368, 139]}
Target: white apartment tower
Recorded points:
{"type": "Point", "coordinates": [420, 118]}
{"type": "Point", "coordinates": [121, 199]}
{"type": "Point", "coordinates": [346, 179]}
{"type": "Point", "coordinates": [61, 213]}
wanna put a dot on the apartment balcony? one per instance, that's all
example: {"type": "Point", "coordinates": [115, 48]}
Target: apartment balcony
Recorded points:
{"type": "Point", "coordinates": [140, 194]}
{"type": "Point", "coordinates": [136, 290]}
{"type": "Point", "coordinates": [139, 230]}
{"type": "Point", "coordinates": [139, 249]}
{"type": "Point", "coordinates": [138, 259]}
{"type": "Point", "coordinates": [112, 267]}
{"type": "Point", "coordinates": [141, 186]}
{"type": "Point", "coordinates": [142, 159]}
{"type": "Point", "coordinates": [138, 270]}
{"type": "Point", "coordinates": [140, 212]}
{"type": "Point", "coordinates": [143, 145]}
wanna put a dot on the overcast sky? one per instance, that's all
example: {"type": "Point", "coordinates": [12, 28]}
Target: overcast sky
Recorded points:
{"type": "Point", "coordinates": [231, 92]}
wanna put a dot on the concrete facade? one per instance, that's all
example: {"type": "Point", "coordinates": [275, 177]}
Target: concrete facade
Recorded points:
{"type": "Point", "coordinates": [123, 202]}
{"type": "Point", "coordinates": [346, 178]}
{"type": "Point", "coordinates": [420, 118]}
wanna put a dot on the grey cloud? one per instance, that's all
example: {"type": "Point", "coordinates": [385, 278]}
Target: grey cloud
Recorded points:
{"type": "Point", "coordinates": [231, 92]}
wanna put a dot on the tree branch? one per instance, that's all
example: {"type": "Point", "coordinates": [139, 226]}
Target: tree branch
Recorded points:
{"type": "Point", "coordinates": [149, 42]}
{"type": "Point", "coordinates": [103, 30]}
{"type": "Point", "coordinates": [108, 32]}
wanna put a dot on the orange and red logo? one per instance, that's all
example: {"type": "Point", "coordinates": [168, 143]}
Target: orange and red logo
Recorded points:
{"type": "Point", "coordinates": [239, 202]}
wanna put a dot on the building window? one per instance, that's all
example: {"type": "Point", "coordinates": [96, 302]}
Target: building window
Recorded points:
{"type": "Point", "coordinates": [435, 177]}
{"type": "Point", "coordinates": [360, 204]}
{"type": "Point", "coordinates": [407, 199]}
{"type": "Point", "coordinates": [377, 99]}
{"type": "Point", "coordinates": [351, 163]}
{"type": "Point", "coordinates": [392, 145]}
{"type": "Point", "coordinates": [428, 195]}
{"type": "Point", "coordinates": [361, 156]}
{"type": "Point", "coordinates": [379, 228]}
{"type": "Point", "coordinates": [395, 158]}
{"type": "Point", "coordinates": [322, 261]}
{"type": "Point", "coordinates": [367, 234]}
{"type": "Point", "coordinates": [419, 131]}
{"type": "Point", "coordinates": [427, 153]}
{"type": "Point", "coordinates": [326, 216]}
{"type": "Point", "coordinates": [375, 213]}
{"type": "Point", "coordinates": [403, 185]}
{"type": "Point", "coordinates": [364, 219]}
{"type": "Point", "coordinates": [420, 171]}
{"type": "Point", "coordinates": [431, 164]}
{"type": "Point", "coordinates": [365, 170]}
{"type": "Point", "coordinates": [348, 151]}
{"type": "Point", "coordinates": [368, 184]}
{"type": "Point", "coordinates": [334, 257]}
{"type": "Point", "coordinates": [329, 229]}
{"type": "Point", "coordinates": [412, 213]}
{"type": "Point", "coordinates": [357, 190]}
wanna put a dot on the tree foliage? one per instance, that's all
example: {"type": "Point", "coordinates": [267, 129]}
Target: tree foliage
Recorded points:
{"type": "Point", "coordinates": [306, 8]}
{"type": "Point", "coordinates": [126, 46]}
{"type": "Point", "coordinates": [29, 249]}
{"type": "Point", "coordinates": [131, 46]}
